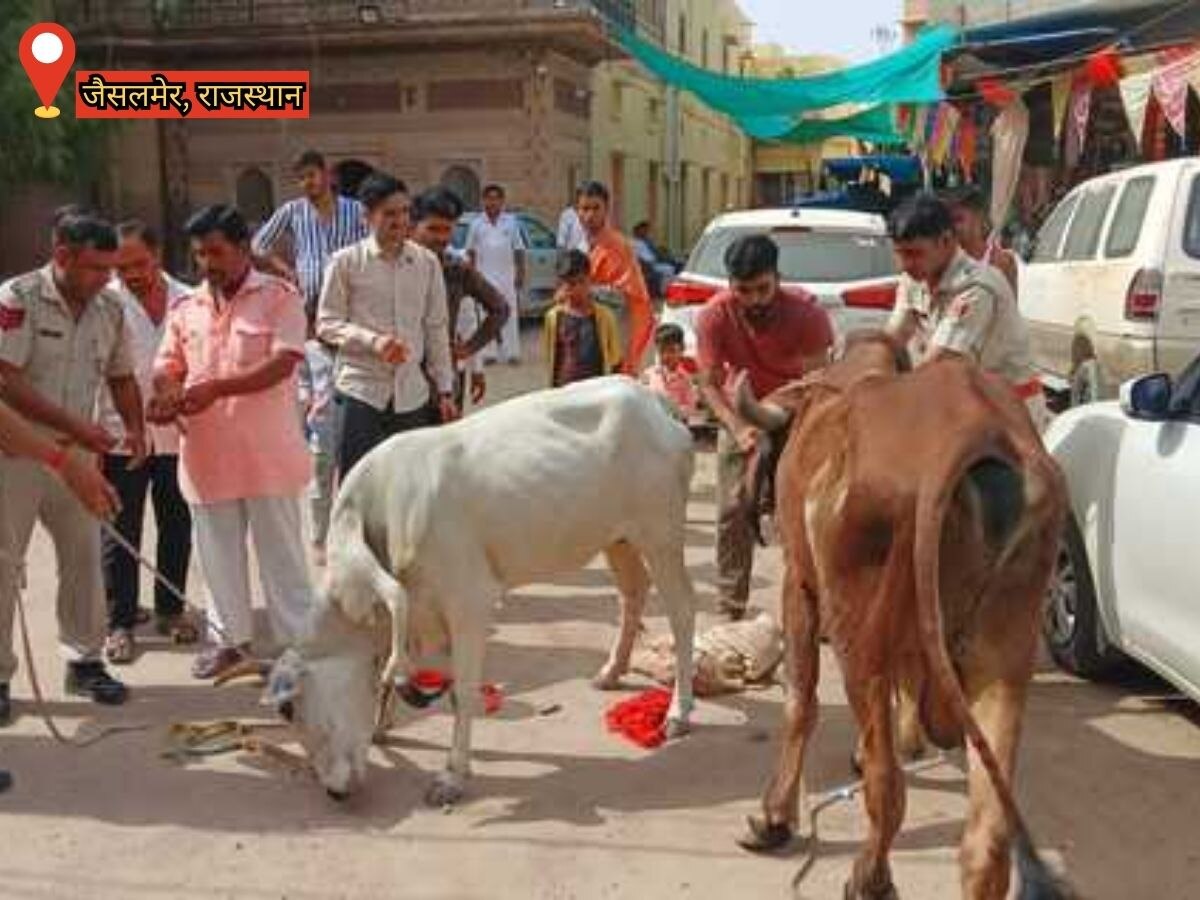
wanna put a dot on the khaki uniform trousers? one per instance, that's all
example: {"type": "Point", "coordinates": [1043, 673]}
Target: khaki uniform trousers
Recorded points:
{"type": "Point", "coordinates": [29, 494]}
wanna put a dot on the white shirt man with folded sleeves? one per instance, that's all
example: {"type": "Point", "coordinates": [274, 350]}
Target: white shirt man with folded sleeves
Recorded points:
{"type": "Point", "coordinates": [383, 307]}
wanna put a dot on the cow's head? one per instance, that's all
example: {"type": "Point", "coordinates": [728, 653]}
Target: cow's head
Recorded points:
{"type": "Point", "coordinates": [329, 698]}
{"type": "Point", "coordinates": [865, 354]}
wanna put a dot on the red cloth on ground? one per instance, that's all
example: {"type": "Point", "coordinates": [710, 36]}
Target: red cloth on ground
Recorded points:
{"type": "Point", "coordinates": [641, 719]}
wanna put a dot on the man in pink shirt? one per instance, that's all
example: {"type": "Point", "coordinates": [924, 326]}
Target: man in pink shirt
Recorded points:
{"type": "Point", "coordinates": [227, 366]}
{"type": "Point", "coordinates": [775, 335]}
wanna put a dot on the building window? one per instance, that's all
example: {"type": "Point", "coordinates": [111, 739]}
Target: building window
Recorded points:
{"type": "Point", "coordinates": [654, 113]}
{"type": "Point", "coordinates": [681, 44]}
{"type": "Point", "coordinates": [704, 49]}
{"type": "Point", "coordinates": [255, 195]}
{"type": "Point", "coordinates": [465, 183]}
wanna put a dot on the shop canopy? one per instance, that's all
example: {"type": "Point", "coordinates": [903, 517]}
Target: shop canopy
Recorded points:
{"type": "Point", "coordinates": [1062, 36]}
{"type": "Point", "coordinates": [910, 75]}
{"type": "Point", "coordinates": [876, 124]}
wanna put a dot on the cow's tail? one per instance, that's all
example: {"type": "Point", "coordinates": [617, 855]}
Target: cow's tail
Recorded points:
{"type": "Point", "coordinates": [933, 499]}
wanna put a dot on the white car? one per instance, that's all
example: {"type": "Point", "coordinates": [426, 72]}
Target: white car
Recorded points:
{"type": "Point", "coordinates": [1128, 575]}
{"type": "Point", "coordinates": [844, 258]}
{"type": "Point", "coordinates": [1112, 291]}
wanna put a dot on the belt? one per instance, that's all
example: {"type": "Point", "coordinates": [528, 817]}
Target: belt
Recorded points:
{"type": "Point", "coordinates": [1027, 390]}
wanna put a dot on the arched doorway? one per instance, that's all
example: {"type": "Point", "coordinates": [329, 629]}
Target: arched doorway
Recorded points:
{"type": "Point", "coordinates": [464, 182]}
{"type": "Point", "coordinates": [349, 174]}
{"type": "Point", "coordinates": [255, 195]}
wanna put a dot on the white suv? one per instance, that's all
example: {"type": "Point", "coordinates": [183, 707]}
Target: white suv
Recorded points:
{"type": "Point", "coordinates": [1113, 289]}
{"type": "Point", "coordinates": [843, 258]}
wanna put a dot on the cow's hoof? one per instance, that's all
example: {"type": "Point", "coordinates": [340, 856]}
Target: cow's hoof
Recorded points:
{"type": "Point", "coordinates": [883, 892]}
{"type": "Point", "coordinates": [764, 837]}
{"type": "Point", "coordinates": [676, 728]}
{"type": "Point", "coordinates": [446, 790]}
{"type": "Point", "coordinates": [607, 679]}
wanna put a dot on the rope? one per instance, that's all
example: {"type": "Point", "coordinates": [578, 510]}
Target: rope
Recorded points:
{"type": "Point", "coordinates": [832, 797]}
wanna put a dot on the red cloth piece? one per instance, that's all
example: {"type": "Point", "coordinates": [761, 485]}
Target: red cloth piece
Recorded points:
{"type": "Point", "coordinates": [641, 719]}
{"type": "Point", "coordinates": [431, 681]}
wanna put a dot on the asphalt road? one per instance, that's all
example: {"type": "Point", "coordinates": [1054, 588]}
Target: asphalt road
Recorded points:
{"type": "Point", "coordinates": [558, 807]}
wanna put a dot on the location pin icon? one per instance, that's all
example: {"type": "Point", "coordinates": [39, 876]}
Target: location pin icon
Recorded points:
{"type": "Point", "coordinates": [47, 52]}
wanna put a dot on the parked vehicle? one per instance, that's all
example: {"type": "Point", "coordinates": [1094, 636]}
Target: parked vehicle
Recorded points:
{"type": "Point", "coordinates": [1112, 290]}
{"type": "Point", "coordinates": [1125, 583]}
{"type": "Point", "coordinates": [541, 258]}
{"type": "Point", "coordinates": [843, 258]}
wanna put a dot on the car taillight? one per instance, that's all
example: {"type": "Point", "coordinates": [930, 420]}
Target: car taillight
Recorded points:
{"type": "Point", "coordinates": [681, 292]}
{"type": "Point", "coordinates": [875, 296]}
{"type": "Point", "coordinates": [1144, 298]}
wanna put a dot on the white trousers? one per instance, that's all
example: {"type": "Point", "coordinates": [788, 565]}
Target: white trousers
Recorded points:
{"type": "Point", "coordinates": [508, 346]}
{"type": "Point", "coordinates": [273, 523]}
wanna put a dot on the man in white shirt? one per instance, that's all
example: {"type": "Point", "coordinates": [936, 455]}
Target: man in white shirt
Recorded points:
{"type": "Point", "coordinates": [571, 234]}
{"type": "Point", "coordinates": [496, 247]}
{"type": "Point", "coordinates": [146, 293]}
{"type": "Point", "coordinates": [383, 307]}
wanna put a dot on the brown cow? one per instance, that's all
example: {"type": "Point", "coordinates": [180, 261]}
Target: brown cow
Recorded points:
{"type": "Point", "coordinates": [919, 516]}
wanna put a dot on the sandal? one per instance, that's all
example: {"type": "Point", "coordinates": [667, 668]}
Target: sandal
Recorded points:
{"type": "Point", "coordinates": [119, 647]}
{"type": "Point", "coordinates": [180, 627]}
{"type": "Point", "coordinates": [215, 660]}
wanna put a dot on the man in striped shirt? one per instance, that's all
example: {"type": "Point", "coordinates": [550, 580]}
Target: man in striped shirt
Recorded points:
{"type": "Point", "coordinates": [319, 224]}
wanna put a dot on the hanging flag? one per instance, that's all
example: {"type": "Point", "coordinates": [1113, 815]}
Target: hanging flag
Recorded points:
{"type": "Point", "coordinates": [1078, 114]}
{"type": "Point", "coordinates": [945, 124]}
{"type": "Point", "coordinates": [1170, 85]}
{"type": "Point", "coordinates": [1135, 95]}
{"type": "Point", "coordinates": [920, 136]}
{"type": "Point", "coordinates": [1103, 68]}
{"type": "Point", "coordinates": [1010, 134]}
{"type": "Point", "coordinates": [968, 145]}
{"type": "Point", "coordinates": [1060, 98]}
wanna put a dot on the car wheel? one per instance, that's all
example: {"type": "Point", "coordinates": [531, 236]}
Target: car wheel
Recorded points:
{"type": "Point", "coordinates": [1087, 383]}
{"type": "Point", "coordinates": [1071, 621]}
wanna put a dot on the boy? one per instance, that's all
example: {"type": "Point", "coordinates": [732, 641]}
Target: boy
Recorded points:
{"type": "Point", "coordinates": [581, 339]}
{"type": "Point", "coordinates": [669, 377]}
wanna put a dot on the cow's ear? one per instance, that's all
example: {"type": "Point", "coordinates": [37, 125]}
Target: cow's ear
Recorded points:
{"type": "Point", "coordinates": [283, 685]}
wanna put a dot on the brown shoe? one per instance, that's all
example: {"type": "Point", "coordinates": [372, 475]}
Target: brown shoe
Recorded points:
{"type": "Point", "coordinates": [215, 660]}
{"type": "Point", "coordinates": [181, 628]}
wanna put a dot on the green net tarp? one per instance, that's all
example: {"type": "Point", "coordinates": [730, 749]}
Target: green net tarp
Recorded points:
{"type": "Point", "coordinates": [910, 75]}
{"type": "Point", "coordinates": [876, 125]}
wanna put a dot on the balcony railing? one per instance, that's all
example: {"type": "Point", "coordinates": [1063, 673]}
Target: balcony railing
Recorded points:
{"type": "Point", "coordinates": [131, 16]}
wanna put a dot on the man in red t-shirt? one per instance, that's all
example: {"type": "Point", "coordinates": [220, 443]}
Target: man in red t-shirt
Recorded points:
{"type": "Point", "coordinates": [776, 335]}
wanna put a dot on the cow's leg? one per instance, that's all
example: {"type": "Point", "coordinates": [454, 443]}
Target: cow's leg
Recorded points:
{"type": "Point", "coordinates": [678, 596]}
{"type": "Point", "coordinates": [986, 845]}
{"type": "Point", "coordinates": [870, 696]}
{"type": "Point", "coordinates": [910, 734]}
{"type": "Point", "coordinates": [633, 584]}
{"type": "Point", "coordinates": [801, 635]}
{"type": "Point", "coordinates": [469, 599]}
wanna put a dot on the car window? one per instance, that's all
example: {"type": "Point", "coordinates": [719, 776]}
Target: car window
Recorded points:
{"type": "Point", "coordinates": [537, 235]}
{"type": "Point", "coordinates": [1191, 230]}
{"type": "Point", "coordinates": [1126, 228]}
{"type": "Point", "coordinates": [805, 255]}
{"type": "Point", "coordinates": [1049, 239]}
{"type": "Point", "coordinates": [1084, 236]}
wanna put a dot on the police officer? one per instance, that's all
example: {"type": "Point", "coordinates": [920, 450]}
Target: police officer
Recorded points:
{"type": "Point", "coordinates": [950, 305]}
{"type": "Point", "coordinates": [61, 335]}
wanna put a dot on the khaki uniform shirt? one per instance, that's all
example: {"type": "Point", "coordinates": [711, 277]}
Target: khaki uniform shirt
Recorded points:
{"type": "Point", "coordinates": [366, 295]}
{"type": "Point", "coordinates": [66, 360]}
{"type": "Point", "coordinates": [973, 313]}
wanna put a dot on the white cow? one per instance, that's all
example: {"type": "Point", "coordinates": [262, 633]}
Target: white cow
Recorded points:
{"type": "Point", "coordinates": [435, 525]}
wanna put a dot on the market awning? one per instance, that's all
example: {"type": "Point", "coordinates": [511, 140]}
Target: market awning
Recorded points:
{"type": "Point", "coordinates": [1047, 38]}
{"type": "Point", "coordinates": [876, 124]}
{"type": "Point", "coordinates": [910, 75]}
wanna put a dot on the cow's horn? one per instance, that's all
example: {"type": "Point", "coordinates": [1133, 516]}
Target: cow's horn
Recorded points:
{"type": "Point", "coordinates": [247, 668]}
{"type": "Point", "coordinates": [764, 415]}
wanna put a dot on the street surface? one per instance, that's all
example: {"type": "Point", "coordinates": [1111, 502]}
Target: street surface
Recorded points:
{"type": "Point", "coordinates": [1110, 780]}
